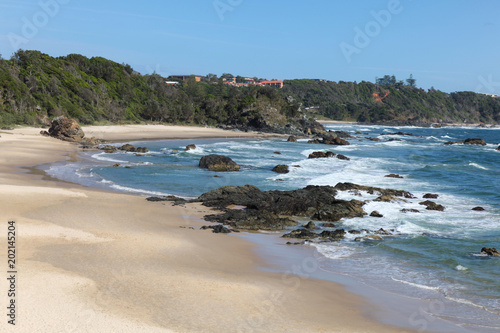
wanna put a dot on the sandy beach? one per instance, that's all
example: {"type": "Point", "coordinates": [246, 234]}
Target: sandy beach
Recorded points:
{"type": "Point", "coordinates": [94, 261]}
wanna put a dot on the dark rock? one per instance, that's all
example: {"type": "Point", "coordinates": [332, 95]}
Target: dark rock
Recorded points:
{"type": "Point", "coordinates": [498, 148]}
{"type": "Point", "coordinates": [354, 232]}
{"type": "Point", "coordinates": [409, 210]}
{"type": "Point", "coordinates": [291, 138]}
{"type": "Point", "coordinates": [375, 213]}
{"type": "Point", "coordinates": [66, 129]}
{"type": "Point", "coordinates": [388, 198]}
{"type": "Point", "coordinates": [217, 229]}
{"type": "Point", "coordinates": [382, 231]}
{"type": "Point", "coordinates": [7, 128]}
{"type": "Point", "coordinates": [269, 210]}
{"type": "Point", "coordinates": [334, 235]}
{"type": "Point", "coordinates": [393, 175]}
{"type": "Point", "coordinates": [393, 139]}
{"type": "Point", "coordinates": [398, 133]}
{"type": "Point", "coordinates": [127, 147]}
{"type": "Point", "coordinates": [116, 165]}
{"type": "Point", "coordinates": [475, 142]}
{"type": "Point", "coordinates": [343, 157]}
{"type": "Point", "coordinates": [373, 139]}
{"type": "Point", "coordinates": [372, 190]}
{"type": "Point", "coordinates": [277, 153]}
{"type": "Point", "coordinates": [218, 163]}
{"type": "Point", "coordinates": [173, 198]}
{"type": "Point", "coordinates": [320, 154]}
{"type": "Point", "coordinates": [310, 225]}
{"type": "Point", "coordinates": [335, 141]}
{"type": "Point", "coordinates": [430, 196]}
{"type": "Point", "coordinates": [190, 147]}
{"type": "Point", "coordinates": [340, 209]}
{"type": "Point", "coordinates": [301, 234]}
{"type": "Point", "coordinates": [328, 225]}
{"type": "Point", "coordinates": [314, 141]}
{"type": "Point", "coordinates": [431, 205]}
{"type": "Point", "coordinates": [478, 208]}
{"type": "Point", "coordinates": [142, 150]}
{"type": "Point", "coordinates": [128, 167]}
{"type": "Point", "coordinates": [493, 252]}
{"type": "Point", "coordinates": [281, 168]}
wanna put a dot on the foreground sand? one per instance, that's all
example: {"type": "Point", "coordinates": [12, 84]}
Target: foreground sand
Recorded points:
{"type": "Point", "coordinates": [96, 261]}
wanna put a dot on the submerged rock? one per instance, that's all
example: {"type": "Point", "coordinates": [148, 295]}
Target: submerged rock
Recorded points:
{"type": "Point", "coordinates": [492, 252]}
{"type": "Point", "coordinates": [393, 175]}
{"type": "Point", "coordinates": [218, 163]}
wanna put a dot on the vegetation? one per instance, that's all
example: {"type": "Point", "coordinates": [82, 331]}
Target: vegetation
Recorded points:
{"type": "Point", "coordinates": [35, 87]}
{"type": "Point", "coordinates": [389, 100]}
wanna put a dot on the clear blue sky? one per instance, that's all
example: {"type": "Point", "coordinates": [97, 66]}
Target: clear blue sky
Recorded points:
{"type": "Point", "coordinates": [453, 45]}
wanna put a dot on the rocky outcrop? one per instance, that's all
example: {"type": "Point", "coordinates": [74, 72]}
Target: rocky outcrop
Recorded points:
{"type": "Point", "coordinates": [190, 147]}
{"type": "Point", "coordinates": [431, 205]}
{"type": "Point", "coordinates": [430, 196]}
{"type": "Point", "coordinates": [478, 209]}
{"type": "Point", "coordinates": [375, 213]}
{"type": "Point", "coordinates": [475, 142]}
{"type": "Point", "coordinates": [292, 138]}
{"type": "Point", "coordinates": [320, 154]}
{"type": "Point", "coordinates": [271, 210]}
{"type": "Point", "coordinates": [393, 175]}
{"type": "Point", "coordinates": [217, 229]}
{"type": "Point", "coordinates": [218, 163]}
{"type": "Point", "coordinates": [467, 142]}
{"type": "Point", "coordinates": [131, 149]}
{"type": "Point", "coordinates": [498, 148]}
{"type": "Point", "coordinates": [310, 225]}
{"type": "Point", "coordinates": [373, 190]}
{"type": "Point", "coordinates": [66, 129]}
{"type": "Point", "coordinates": [490, 252]}
{"type": "Point", "coordinates": [281, 168]}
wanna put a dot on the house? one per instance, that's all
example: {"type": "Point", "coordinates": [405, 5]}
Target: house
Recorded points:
{"type": "Point", "coordinates": [185, 77]}
{"type": "Point", "coordinates": [275, 83]}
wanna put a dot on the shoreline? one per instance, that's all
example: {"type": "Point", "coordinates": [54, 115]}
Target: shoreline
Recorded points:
{"type": "Point", "coordinates": [84, 250]}
{"type": "Point", "coordinates": [395, 124]}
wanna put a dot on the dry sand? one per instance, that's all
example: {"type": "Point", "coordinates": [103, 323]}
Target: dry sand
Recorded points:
{"type": "Point", "coordinates": [97, 261]}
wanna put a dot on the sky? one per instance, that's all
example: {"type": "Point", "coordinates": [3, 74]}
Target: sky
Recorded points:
{"type": "Point", "coordinates": [451, 45]}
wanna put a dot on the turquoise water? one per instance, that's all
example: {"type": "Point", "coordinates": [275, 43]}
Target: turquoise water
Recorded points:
{"type": "Point", "coordinates": [433, 255]}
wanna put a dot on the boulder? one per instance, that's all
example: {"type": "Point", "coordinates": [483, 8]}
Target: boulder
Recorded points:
{"type": "Point", "coordinates": [320, 154]}
{"type": "Point", "coordinates": [190, 147]}
{"type": "Point", "coordinates": [375, 213]}
{"type": "Point", "coordinates": [281, 168]}
{"type": "Point", "coordinates": [492, 252]}
{"type": "Point", "coordinates": [478, 208]}
{"type": "Point", "coordinates": [430, 196]}
{"type": "Point", "coordinates": [142, 150]}
{"type": "Point", "coordinates": [328, 225]}
{"type": "Point", "coordinates": [335, 141]}
{"type": "Point", "coordinates": [277, 153]}
{"type": "Point", "coordinates": [291, 138]}
{"type": "Point", "coordinates": [498, 148]}
{"type": "Point", "coordinates": [343, 157]}
{"type": "Point", "coordinates": [431, 205]}
{"type": "Point", "coordinates": [127, 147]}
{"type": "Point", "coordinates": [217, 229]}
{"type": "Point", "coordinates": [66, 129]}
{"type": "Point", "coordinates": [475, 142]}
{"type": "Point", "coordinates": [218, 163]}
{"type": "Point", "coordinates": [409, 210]}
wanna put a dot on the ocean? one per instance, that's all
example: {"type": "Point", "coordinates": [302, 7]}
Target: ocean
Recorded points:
{"type": "Point", "coordinates": [432, 255]}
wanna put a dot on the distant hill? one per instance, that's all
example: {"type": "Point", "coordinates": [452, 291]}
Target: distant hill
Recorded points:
{"type": "Point", "coordinates": [35, 87]}
{"type": "Point", "coordinates": [398, 103]}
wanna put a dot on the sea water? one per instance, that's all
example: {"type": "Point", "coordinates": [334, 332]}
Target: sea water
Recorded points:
{"type": "Point", "coordinates": [431, 255]}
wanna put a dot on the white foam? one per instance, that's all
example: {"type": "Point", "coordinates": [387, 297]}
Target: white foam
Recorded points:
{"type": "Point", "coordinates": [461, 268]}
{"type": "Point", "coordinates": [101, 157]}
{"type": "Point", "coordinates": [476, 165]}
{"type": "Point", "coordinates": [334, 251]}
{"type": "Point", "coordinates": [416, 285]}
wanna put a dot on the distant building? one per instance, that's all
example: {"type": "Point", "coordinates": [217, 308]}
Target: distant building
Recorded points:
{"type": "Point", "coordinates": [185, 77]}
{"type": "Point", "coordinates": [276, 84]}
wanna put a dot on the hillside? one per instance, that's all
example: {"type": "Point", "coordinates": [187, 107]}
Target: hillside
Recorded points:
{"type": "Point", "coordinates": [35, 87]}
{"type": "Point", "coordinates": [372, 103]}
